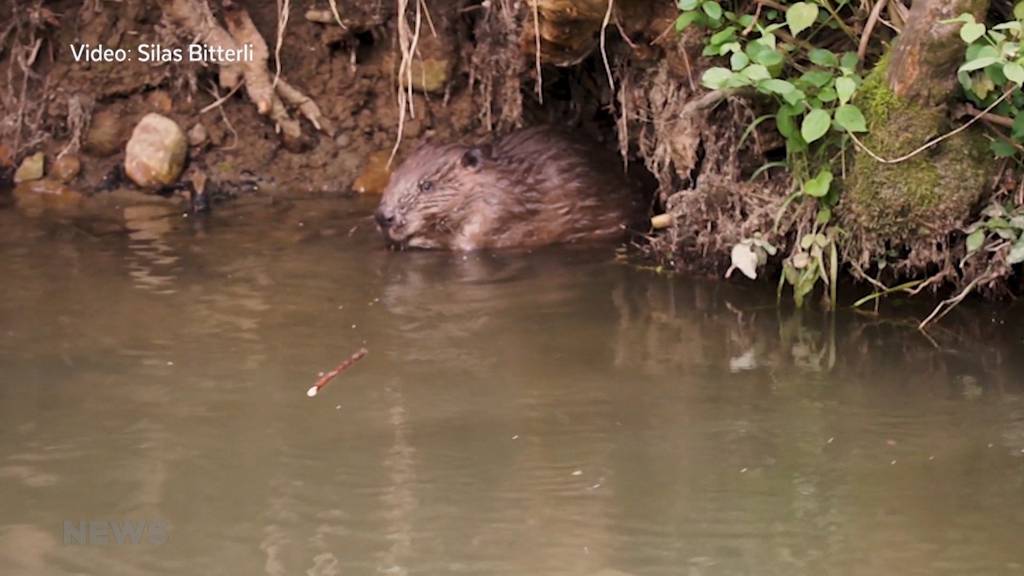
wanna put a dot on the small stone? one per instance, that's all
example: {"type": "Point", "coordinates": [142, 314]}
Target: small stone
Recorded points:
{"type": "Point", "coordinates": [342, 140]}
{"type": "Point", "coordinates": [106, 134]}
{"type": "Point", "coordinates": [375, 175]}
{"type": "Point", "coordinates": [198, 135]}
{"type": "Point", "coordinates": [66, 167]}
{"type": "Point", "coordinates": [6, 156]}
{"type": "Point", "coordinates": [31, 168]}
{"type": "Point", "coordinates": [160, 101]}
{"type": "Point", "coordinates": [156, 152]}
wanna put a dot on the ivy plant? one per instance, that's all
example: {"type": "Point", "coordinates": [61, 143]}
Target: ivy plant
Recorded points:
{"type": "Point", "coordinates": [812, 89]}
{"type": "Point", "coordinates": [993, 68]}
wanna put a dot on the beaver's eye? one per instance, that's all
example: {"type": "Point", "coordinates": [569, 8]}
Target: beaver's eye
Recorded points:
{"type": "Point", "coordinates": [426, 185]}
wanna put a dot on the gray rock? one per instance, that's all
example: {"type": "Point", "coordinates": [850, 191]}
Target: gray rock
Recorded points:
{"type": "Point", "coordinates": [156, 152]}
{"type": "Point", "coordinates": [198, 135]}
{"type": "Point", "coordinates": [66, 167]}
{"type": "Point", "coordinates": [31, 168]}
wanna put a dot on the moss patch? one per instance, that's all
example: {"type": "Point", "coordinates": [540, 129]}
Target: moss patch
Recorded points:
{"type": "Point", "coordinates": [927, 196]}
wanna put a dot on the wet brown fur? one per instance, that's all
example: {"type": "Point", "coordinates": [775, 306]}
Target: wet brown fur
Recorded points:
{"type": "Point", "coordinates": [531, 188]}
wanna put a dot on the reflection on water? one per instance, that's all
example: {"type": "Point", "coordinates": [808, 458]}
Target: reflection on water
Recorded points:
{"type": "Point", "coordinates": [545, 413]}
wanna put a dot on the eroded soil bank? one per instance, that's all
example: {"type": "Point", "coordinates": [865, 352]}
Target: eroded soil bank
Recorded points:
{"type": "Point", "coordinates": [336, 87]}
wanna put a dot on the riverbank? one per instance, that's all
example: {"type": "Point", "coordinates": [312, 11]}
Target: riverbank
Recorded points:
{"type": "Point", "coordinates": [319, 108]}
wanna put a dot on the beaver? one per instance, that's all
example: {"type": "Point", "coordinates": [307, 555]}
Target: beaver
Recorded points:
{"type": "Point", "coordinates": [532, 187]}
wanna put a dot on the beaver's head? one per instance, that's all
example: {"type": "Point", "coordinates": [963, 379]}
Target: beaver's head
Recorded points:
{"type": "Point", "coordinates": [431, 194]}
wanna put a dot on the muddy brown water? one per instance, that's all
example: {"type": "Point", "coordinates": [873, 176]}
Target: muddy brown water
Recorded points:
{"type": "Point", "coordinates": [547, 413]}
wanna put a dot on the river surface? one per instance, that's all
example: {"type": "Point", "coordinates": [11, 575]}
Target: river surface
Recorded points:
{"type": "Point", "coordinates": [554, 413]}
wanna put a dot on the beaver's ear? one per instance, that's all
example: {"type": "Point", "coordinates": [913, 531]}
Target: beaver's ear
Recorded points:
{"type": "Point", "coordinates": [474, 158]}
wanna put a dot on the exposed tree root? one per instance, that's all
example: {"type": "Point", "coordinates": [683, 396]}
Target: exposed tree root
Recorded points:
{"type": "Point", "coordinates": [408, 39]}
{"type": "Point", "coordinates": [269, 94]}
{"type": "Point", "coordinates": [496, 65]}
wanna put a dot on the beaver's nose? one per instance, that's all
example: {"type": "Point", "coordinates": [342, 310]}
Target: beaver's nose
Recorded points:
{"type": "Point", "coordinates": [384, 220]}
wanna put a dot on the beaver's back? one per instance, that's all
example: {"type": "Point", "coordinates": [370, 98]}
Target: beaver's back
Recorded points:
{"type": "Point", "coordinates": [550, 187]}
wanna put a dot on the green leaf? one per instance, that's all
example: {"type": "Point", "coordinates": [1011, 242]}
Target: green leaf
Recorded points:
{"type": "Point", "coordinates": [722, 36]}
{"type": "Point", "coordinates": [1018, 126]}
{"type": "Point", "coordinates": [979, 63]}
{"type": "Point", "coordinates": [823, 57]}
{"type": "Point", "coordinates": [776, 86]}
{"type": "Point", "coordinates": [1011, 26]}
{"type": "Point", "coordinates": [738, 61]}
{"type": "Point", "coordinates": [1016, 255]}
{"type": "Point", "coordinates": [971, 31]}
{"type": "Point", "coordinates": [965, 80]}
{"type": "Point", "coordinates": [784, 120]}
{"type": "Point", "coordinates": [807, 241]}
{"type": "Point", "coordinates": [817, 78]}
{"type": "Point", "coordinates": [982, 85]}
{"type": "Point", "coordinates": [815, 125]}
{"type": "Point", "coordinates": [767, 57]}
{"type": "Point", "coordinates": [845, 87]}
{"type": "Point", "coordinates": [801, 16]}
{"type": "Point", "coordinates": [851, 119]}
{"type": "Point", "coordinates": [1014, 72]}
{"type": "Point", "coordinates": [849, 61]}
{"type": "Point", "coordinates": [818, 186]}
{"type": "Point", "coordinates": [712, 9]}
{"type": "Point", "coordinates": [1018, 11]}
{"type": "Point", "coordinates": [685, 19]}
{"type": "Point", "coordinates": [975, 241]}
{"type": "Point", "coordinates": [756, 72]}
{"type": "Point", "coordinates": [1002, 149]}
{"type": "Point", "coordinates": [986, 51]}
{"type": "Point", "coordinates": [715, 78]}
{"type": "Point", "coordinates": [794, 97]}
{"type": "Point", "coordinates": [687, 5]}
{"type": "Point", "coordinates": [965, 18]}
{"type": "Point", "coordinates": [823, 217]}
{"type": "Point", "coordinates": [827, 94]}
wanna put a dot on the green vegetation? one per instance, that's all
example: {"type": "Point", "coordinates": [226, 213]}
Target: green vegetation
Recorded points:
{"type": "Point", "coordinates": [802, 58]}
{"type": "Point", "coordinates": [813, 90]}
{"type": "Point", "coordinates": [993, 69]}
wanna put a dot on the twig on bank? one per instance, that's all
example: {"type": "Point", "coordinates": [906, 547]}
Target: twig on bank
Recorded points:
{"type": "Point", "coordinates": [283, 11]}
{"type": "Point", "coordinates": [869, 28]}
{"type": "Point", "coordinates": [968, 110]}
{"type": "Point", "coordinates": [604, 52]}
{"type": "Point", "coordinates": [407, 46]}
{"type": "Point", "coordinates": [946, 306]}
{"type": "Point", "coordinates": [536, 38]}
{"type": "Point", "coordinates": [215, 92]}
{"type": "Point", "coordinates": [26, 71]}
{"type": "Point", "coordinates": [334, 11]}
{"type": "Point", "coordinates": [753, 21]}
{"type": "Point", "coordinates": [772, 4]}
{"type": "Point", "coordinates": [220, 101]}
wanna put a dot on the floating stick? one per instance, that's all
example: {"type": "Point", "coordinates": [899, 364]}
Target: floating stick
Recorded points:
{"type": "Point", "coordinates": [338, 370]}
